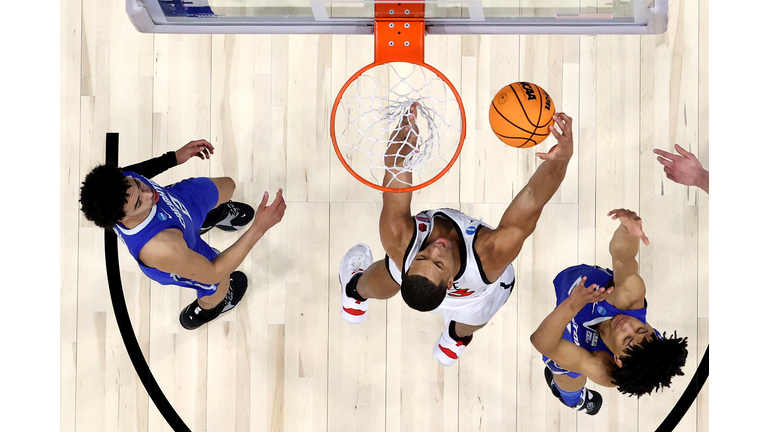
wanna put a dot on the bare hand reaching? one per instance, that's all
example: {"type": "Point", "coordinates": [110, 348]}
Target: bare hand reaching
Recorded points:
{"type": "Point", "coordinates": [563, 150]}
{"type": "Point", "coordinates": [200, 148]}
{"type": "Point", "coordinates": [268, 216]}
{"type": "Point", "coordinates": [404, 139]}
{"type": "Point", "coordinates": [684, 169]}
{"type": "Point", "coordinates": [585, 295]}
{"type": "Point", "coordinates": [632, 222]}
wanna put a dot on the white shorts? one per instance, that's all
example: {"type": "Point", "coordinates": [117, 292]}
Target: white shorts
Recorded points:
{"type": "Point", "coordinates": [471, 310]}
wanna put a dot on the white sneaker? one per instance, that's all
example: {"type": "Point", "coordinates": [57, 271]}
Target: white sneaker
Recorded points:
{"type": "Point", "coordinates": [355, 261]}
{"type": "Point", "coordinates": [447, 350]}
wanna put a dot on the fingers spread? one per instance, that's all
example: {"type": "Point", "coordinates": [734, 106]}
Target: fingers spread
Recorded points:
{"type": "Point", "coordinates": [683, 151]}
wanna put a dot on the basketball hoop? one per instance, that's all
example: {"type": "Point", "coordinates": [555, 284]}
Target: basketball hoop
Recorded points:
{"type": "Point", "coordinates": [373, 101]}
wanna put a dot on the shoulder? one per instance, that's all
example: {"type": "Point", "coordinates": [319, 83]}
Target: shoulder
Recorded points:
{"type": "Point", "coordinates": [628, 295]}
{"type": "Point", "coordinates": [600, 367]}
{"type": "Point", "coordinates": [396, 237]}
{"type": "Point", "coordinates": [492, 253]}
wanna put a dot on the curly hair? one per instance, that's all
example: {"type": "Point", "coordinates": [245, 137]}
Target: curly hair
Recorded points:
{"type": "Point", "coordinates": [421, 293]}
{"type": "Point", "coordinates": [102, 195]}
{"type": "Point", "coordinates": [650, 365]}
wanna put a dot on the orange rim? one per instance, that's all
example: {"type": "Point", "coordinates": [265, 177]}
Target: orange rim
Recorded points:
{"type": "Point", "coordinates": [411, 188]}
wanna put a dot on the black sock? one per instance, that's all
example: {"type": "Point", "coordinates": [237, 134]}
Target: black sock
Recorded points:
{"type": "Point", "coordinates": [454, 336]}
{"type": "Point", "coordinates": [215, 215]}
{"type": "Point", "coordinates": [352, 288]}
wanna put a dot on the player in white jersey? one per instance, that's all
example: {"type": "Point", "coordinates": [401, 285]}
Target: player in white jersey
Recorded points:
{"type": "Point", "coordinates": [442, 260]}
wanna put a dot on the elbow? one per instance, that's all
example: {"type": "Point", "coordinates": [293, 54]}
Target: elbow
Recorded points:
{"type": "Point", "coordinates": [536, 342]}
{"type": "Point", "coordinates": [541, 345]}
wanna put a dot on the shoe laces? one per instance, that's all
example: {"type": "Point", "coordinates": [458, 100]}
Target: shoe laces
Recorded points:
{"type": "Point", "coordinates": [231, 208]}
{"type": "Point", "coordinates": [357, 264]}
{"type": "Point", "coordinates": [230, 294]}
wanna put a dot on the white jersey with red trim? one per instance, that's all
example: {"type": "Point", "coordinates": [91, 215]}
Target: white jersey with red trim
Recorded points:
{"type": "Point", "coordinates": [471, 288]}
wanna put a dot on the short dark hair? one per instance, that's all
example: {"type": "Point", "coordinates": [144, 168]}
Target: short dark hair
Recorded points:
{"type": "Point", "coordinates": [421, 293]}
{"type": "Point", "coordinates": [651, 364]}
{"type": "Point", "coordinates": [102, 195]}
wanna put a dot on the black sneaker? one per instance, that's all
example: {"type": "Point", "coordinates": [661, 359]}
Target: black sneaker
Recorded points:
{"type": "Point", "coordinates": [590, 402]}
{"type": "Point", "coordinates": [193, 316]}
{"type": "Point", "coordinates": [235, 216]}
{"type": "Point", "coordinates": [238, 284]}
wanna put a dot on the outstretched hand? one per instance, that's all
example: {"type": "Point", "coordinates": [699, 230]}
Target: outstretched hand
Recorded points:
{"type": "Point", "coordinates": [200, 148]}
{"type": "Point", "coordinates": [585, 295]}
{"type": "Point", "coordinates": [268, 216]}
{"type": "Point", "coordinates": [632, 222]}
{"type": "Point", "coordinates": [403, 140]}
{"type": "Point", "coordinates": [685, 169]}
{"type": "Point", "coordinates": [563, 150]}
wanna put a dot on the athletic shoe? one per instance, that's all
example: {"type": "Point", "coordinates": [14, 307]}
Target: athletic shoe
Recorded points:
{"type": "Point", "coordinates": [448, 349]}
{"type": "Point", "coordinates": [238, 284]}
{"type": "Point", "coordinates": [355, 261]}
{"type": "Point", "coordinates": [235, 216]}
{"type": "Point", "coordinates": [590, 402]}
{"type": "Point", "coordinates": [193, 316]}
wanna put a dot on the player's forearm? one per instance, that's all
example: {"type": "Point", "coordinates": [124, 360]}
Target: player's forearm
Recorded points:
{"type": "Point", "coordinates": [154, 166]}
{"type": "Point", "coordinates": [231, 258]}
{"type": "Point", "coordinates": [545, 181]}
{"type": "Point", "coordinates": [539, 190]}
{"type": "Point", "coordinates": [623, 245]}
{"type": "Point", "coordinates": [547, 337]}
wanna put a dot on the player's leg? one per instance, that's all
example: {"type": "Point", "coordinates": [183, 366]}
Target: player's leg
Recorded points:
{"type": "Point", "coordinates": [226, 187]}
{"type": "Point", "coordinates": [466, 330]}
{"type": "Point", "coordinates": [362, 279]}
{"type": "Point", "coordinates": [453, 341]}
{"type": "Point", "coordinates": [570, 389]}
{"type": "Point", "coordinates": [227, 215]}
{"type": "Point", "coordinates": [376, 283]}
{"type": "Point", "coordinates": [209, 306]}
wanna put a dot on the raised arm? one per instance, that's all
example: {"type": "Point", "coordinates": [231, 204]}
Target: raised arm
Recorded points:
{"type": "Point", "coordinates": [168, 252]}
{"type": "Point", "coordinates": [152, 167]}
{"type": "Point", "coordinates": [520, 218]}
{"type": "Point", "coordinates": [548, 338]}
{"type": "Point", "coordinates": [630, 288]}
{"type": "Point", "coordinates": [396, 223]}
{"type": "Point", "coordinates": [685, 169]}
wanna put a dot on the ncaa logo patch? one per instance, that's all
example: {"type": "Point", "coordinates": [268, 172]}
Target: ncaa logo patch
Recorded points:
{"type": "Point", "coordinates": [162, 216]}
{"type": "Point", "coordinates": [601, 310]}
{"type": "Point", "coordinates": [471, 229]}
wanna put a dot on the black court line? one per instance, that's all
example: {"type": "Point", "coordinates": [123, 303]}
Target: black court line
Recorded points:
{"type": "Point", "coordinates": [124, 320]}
{"type": "Point", "coordinates": [165, 407]}
{"type": "Point", "coordinates": [689, 395]}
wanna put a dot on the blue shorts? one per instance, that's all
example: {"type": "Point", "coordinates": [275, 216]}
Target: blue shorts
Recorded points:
{"type": "Point", "coordinates": [556, 369]}
{"type": "Point", "coordinates": [199, 195]}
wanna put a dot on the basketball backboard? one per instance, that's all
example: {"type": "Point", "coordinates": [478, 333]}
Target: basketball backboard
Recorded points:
{"type": "Point", "coordinates": [441, 16]}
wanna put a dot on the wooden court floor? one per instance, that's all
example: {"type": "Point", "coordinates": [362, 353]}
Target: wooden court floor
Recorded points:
{"type": "Point", "coordinates": [285, 360]}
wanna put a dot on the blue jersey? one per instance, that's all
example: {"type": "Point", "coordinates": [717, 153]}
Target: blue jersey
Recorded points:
{"type": "Point", "coordinates": [582, 330]}
{"type": "Point", "coordinates": [182, 206]}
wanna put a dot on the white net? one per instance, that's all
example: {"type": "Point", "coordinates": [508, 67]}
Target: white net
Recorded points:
{"type": "Point", "coordinates": [371, 111]}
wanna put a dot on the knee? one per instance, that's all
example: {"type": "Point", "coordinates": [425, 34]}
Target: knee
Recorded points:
{"type": "Point", "coordinates": [229, 183]}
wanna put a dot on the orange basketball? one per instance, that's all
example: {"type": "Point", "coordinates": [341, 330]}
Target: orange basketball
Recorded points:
{"type": "Point", "coordinates": [521, 114]}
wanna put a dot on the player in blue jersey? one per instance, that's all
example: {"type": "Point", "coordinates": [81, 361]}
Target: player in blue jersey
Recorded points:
{"type": "Point", "coordinates": [599, 329]}
{"type": "Point", "coordinates": [161, 226]}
